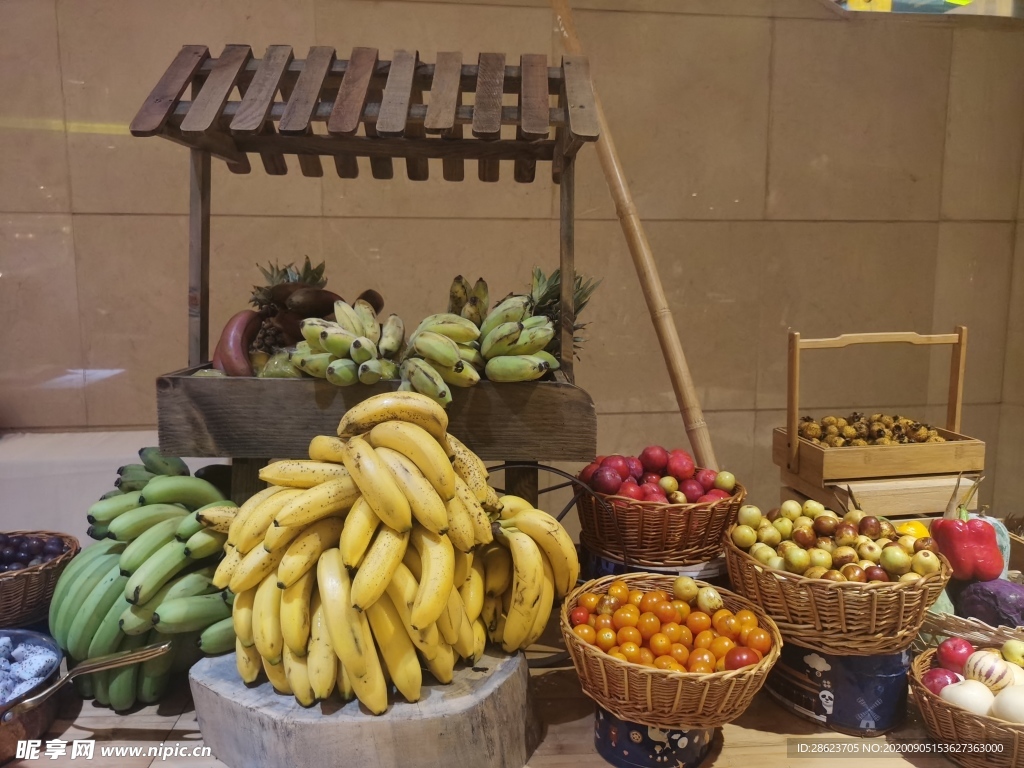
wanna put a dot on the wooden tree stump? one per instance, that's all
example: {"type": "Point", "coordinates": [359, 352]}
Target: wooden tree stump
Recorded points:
{"type": "Point", "coordinates": [483, 719]}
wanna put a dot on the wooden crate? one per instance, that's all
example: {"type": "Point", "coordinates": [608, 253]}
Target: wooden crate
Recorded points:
{"type": "Point", "coordinates": [907, 497]}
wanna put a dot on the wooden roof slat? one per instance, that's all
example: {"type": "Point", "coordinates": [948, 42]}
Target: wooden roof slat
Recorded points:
{"type": "Point", "coordinates": [206, 107]}
{"type": "Point", "coordinates": [303, 97]}
{"type": "Point", "coordinates": [394, 106]}
{"type": "Point", "coordinates": [579, 93]}
{"type": "Point", "coordinates": [417, 168]}
{"type": "Point", "coordinates": [259, 94]}
{"type": "Point", "coordinates": [444, 93]}
{"type": "Point", "coordinates": [534, 113]}
{"type": "Point", "coordinates": [351, 98]}
{"type": "Point", "coordinates": [489, 89]}
{"type": "Point", "coordinates": [165, 94]}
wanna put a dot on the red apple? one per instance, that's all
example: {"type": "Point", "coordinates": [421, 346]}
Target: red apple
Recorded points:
{"type": "Point", "coordinates": [680, 466]}
{"type": "Point", "coordinates": [718, 493]}
{"type": "Point", "coordinates": [579, 615]}
{"type": "Point", "coordinates": [618, 463]}
{"type": "Point", "coordinates": [606, 480]}
{"type": "Point", "coordinates": [691, 489]}
{"type": "Point", "coordinates": [654, 459]}
{"type": "Point", "coordinates": [707, 498]}
{"type": "Point", "coordinates": [649, 477]}
{"type": "Point", "coordinates": [631, 490]}
{"type": "Point", "coordinates": [599, 459]}
{"type": "Point", "coordinates": [636, 469]}
{"type": "Point", "coordinates": [937, 679]}
{"type": "Point", "coordinates": [706, 477]}
{"type": "Point", "coordinates": [952, 653]}
{"type": "Point", "coordinates": [653, 492]}
{"type": "Point", "coordinates": [588, 472]}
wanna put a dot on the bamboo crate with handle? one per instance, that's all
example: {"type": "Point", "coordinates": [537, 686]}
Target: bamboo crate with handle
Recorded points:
{"type": "Point", "coordinates": [891, 480]}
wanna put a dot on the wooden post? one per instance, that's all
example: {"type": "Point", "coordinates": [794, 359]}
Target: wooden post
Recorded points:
{"type": "Point", "coordinates": [245, 478]}
{"type": "Point", "coordinates": [646, 268]}
{"type": "Point", "coordinates": [956, 380]}
{"type": "Point", "coordinates": [522, 482]}
{"type": "Point", "coordinates": [567, 239]}
{"type": "Point", "coordinates": [199, 258]}
{"type": "Point", "coordinates": [793, 403]}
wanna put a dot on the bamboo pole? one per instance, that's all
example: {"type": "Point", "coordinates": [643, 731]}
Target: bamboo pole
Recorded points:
{"type": "Point", "coordinates": [646, 268]}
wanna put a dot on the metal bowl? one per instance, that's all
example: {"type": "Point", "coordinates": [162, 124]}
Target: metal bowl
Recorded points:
{"type": "Point", "coordinates": [33, 723]}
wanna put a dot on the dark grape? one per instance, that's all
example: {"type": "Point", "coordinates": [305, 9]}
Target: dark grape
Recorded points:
{"type": "Point", "coordinates": [36, 544]}
{"type": "Point", "coordinates": [7, 554]}
{"type": "Point", "coordinates": [35, 561]}
{"type": "Point", "coordinates": [53, 545]}
{"type": "Point", "coordinates": [15, 566]}
{"type": "Point", "coordinates": [17, 541]}
{"type": "Point", "coordinates": [23, 549]}
{"type": "Point", "coordinates": [48, 556]}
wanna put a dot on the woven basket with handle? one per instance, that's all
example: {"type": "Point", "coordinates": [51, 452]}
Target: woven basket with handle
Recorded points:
{"type": "Point", "coordinates": [843, 618]}
{"type": "Point", "coordinates": [979, 742]}
{"type": "Point", "coordinates": [657, 697]}
{"type": "Point", "coordinates": [25, 594]}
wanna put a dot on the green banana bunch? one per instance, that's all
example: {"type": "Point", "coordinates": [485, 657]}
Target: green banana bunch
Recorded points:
{"type": "Point", "coordinates": [511, 310]}
{"type": "Point", "coordinates": [510, 368]}
{"type": "Point", "coordinates": [343, 372]}
{"type": "Point", "coordinates": [458, 295]}
{"type": "Point", "coordinates": [392, 336]}
{"type": "Point", "coordinates": [425, 380]}
{"type": "Point", "coordinates": [161, 463]}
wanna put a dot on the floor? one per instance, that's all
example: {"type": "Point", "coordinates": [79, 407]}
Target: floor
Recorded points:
{"type": "Point", "coordinates": [759, 737]}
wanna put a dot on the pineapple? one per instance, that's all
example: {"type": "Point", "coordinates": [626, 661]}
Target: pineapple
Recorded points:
{"type": "Point", "coordinates": [280, 326]}
{"type": "Point", "coordinates": [545, 293]}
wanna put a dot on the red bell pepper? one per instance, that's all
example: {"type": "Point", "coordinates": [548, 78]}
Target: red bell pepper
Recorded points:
{"type": "Point", "coordinates": [970, 546]}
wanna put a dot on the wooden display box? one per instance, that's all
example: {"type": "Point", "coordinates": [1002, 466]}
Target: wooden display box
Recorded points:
{"type": "Point", "coordinates": [905, 498]}
{"type": "Point", "coordinates": [256, 418]}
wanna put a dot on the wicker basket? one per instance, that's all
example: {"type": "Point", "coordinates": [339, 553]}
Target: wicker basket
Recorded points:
{"type": "Point", "coordinates": [1000, 744]}
{"type": "Point", "coordinates": [843, 618]}
{"type": "Point", "coordinates": [25, 595]}
{"type": "Point", "coordinates": [657, 697]}
{"type": "Point", "coordinates": [647, 534]}
{"type": "Point", "coordinates": [974, 631]}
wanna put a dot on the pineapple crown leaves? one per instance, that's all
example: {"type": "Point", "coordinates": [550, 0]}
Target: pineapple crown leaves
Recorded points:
{"type": "Point", "coordinates": [545, 292]}
{"type": "Point", "coordinates": [275, 274]}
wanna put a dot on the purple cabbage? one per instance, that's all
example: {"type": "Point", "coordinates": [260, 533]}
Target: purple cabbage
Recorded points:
{"type": "Point", "coordinates": [998, 603]}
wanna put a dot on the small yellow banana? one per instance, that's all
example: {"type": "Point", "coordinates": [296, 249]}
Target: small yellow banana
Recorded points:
{"type": "Point", "coordinates": [248, 662]}
{"type": "Point", "coordinates": [321, 660]}
{"type": "Point", "coordinates": [396, 647]}
{"type": "Point", "coordinates": [296, 671]}
{"type": "Point", "coordinates": [241, 616]}
{"type": "Point", "coordinates": [377, 485]}
{"type": "Point", "coordinates": [411, 407]}
{"type": "Point", "coordinates": [302, 554]}
{"type": "Point", "coordinates": [326, 448]}
{"type": "Point", "coordinates": [449, 623]}
{"type": "Point", "coordinates": [360, 525]}
{"type": "Point", "coordinates": [463, 562]}
{"type": "Point", "coordinates": [481, 522]}
{"type": "Point", "coordinates": [437, 560]}
{"type": "Point", "coordinates": [321, 501]}
{"type": "Point", "coordinates": [243, 511]}
{"type": "Point", "coordinates": [301, 473]}
{"type": "Point", "coordinates": [528, 581]}
{"type": "Point", "coordinates": [468, 466]}
{"type": "Point", "coordinates": [427, 507]}
{"type": "Point", "coordinates": [342, 619]}
{"type": "Point", "coordinates": [460, 525]}
{"type": "Point", "coordinates": [295, 619]}
{"type": "Point", "coordinates": [371, 689]}
{"type": "Point", "coordinates": [260, 519]}
{"type": "Point", "coordinates": [253, 569]}
{"type": "Point", "coordinates": [442, 666]}
{"type": "Point", "coordinates": [266, 621]}
{"type": "Point", "coordinates": [226, 568]}
{"type": "Point", "coordinates": [378, 566]}
{"type": "Point", "coordinates": [497, 563]}
{"type": "Point", "coordinates": [472, 591]}
{"type": "Point", "coordinates": [277, 676]}
{"type": "Point", "coordinates": [402, 590]}
{"type": "Point", "coordinates": [422, 449]}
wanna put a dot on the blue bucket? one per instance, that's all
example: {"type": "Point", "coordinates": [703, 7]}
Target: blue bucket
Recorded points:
{"type": "Point", "coordinates": [857, 695]}
{"type": "Point", "coordinates": [632, 745]}
{"type": "Point", "coordinates": [594, 566]}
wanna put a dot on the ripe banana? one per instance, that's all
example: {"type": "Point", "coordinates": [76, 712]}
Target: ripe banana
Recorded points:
{"type": "Point", "coordinates": [193, 492]}
{"type": "Point", "coordinates": [481, 522]}
{"type": "Point", "coordinates": [155, 572]}
{"type": "Point", "coordinates": [363, 349]}
{"type": "Point", "coordinates": [436, 347]}
{"type": "Point", "coordinates": [460, 525]}
{"type": "Point", "coordinates": [419, 446]}
{"type": "Point", "coordinates": [449, 623]}
{"type": "Point", "coordinates": [277, 676]}
{"type": "Point", "coordinates": [547, 596]}
{"type": "Point", "coordinates": [337, 340]}
{"type": "Point", "coordinates": [278, 537]}
{"type": "Point", "coordinates": [528, 570]}
{"type": "Point", "coordinates": [372, 688]}
{"type": "Point", "coordinates": [301, 473]}
{"type": "Point", "coordinates": [479, 641]}
{"type": "Point", "coordinates": [205, 543]}
{"type": "Point", "coordinates": [497, 563]}
{"type": "Point", "coordinates": [465, 643]}
{"type": "Point", "coordinates": [343, 372]}
{"type": "Point", "coordinates": [396, 406]}
{"type": "Point", "coordinates": [241, 616]}
{"type": "Point", "coordinates": [259, 520]}
{"type": "Point", "coordinates": [342, 619]}
{"type": "Point", "coordinates": [453, 325]}
{"type": "Point", "coordinates": [368, 317]}
{"type": "Point", "coordinates": [490, 613]}
{"type": "Point", "coordinates": [491, 504]}
{"type": "Point", "coordinates": [254, 568]}
{"type": "Point", "coordinates": [472, 591]}
{"type": "Point", "coordinates": [426, 505]}
{"type": "Point", "coordinates": [266, 621]}
{"type": "Point", "coordinates": [392, 336]}
{"type": "Point", "coordinates": [437, 560]}
{"type": "Point", "coordinates": [512, 368]}
{"type": "Point", "coordinates": [357, 533]}
{"type": "Point", "coordinates": [161, 463]}
{"type": "Point", "coordinates": [533, 340]}
{"type": "Point", "coordinates": [248, 662]}
{"type": "Point", "coordinates": [463, 562]}
{"type": "Point", "coordinates": [426, 380]}
{"type": "Point", "coordinates": [105, 510]}
{"type": "Point", "coordinates": [552, 538]}
{"type": "Point", "coordinates": [190, 614]}
{"type": "Point", "coordinates": [134, 523]}
{"type": "Point", "coordinates": [219, 637]}
{"type": "Point", "coordinates": [378, 566]}
{"type": "Point", "coordinates": [500, 340]}
{"type": "Point", "coordinates": [458, 294]}
{"type": "Point", "coordinates": [326, 448]}
{"type": "Point", "coordinates": [304, 551]}
{"type": "Point", "coordinates": [377, 484]}
{"type": "Point", "coordinates": [461, 374]}
{"type": "Point", "coordinates": [319, 502]}
{"type": "Point", "coordinates": [347, 318]}
{"type": "Point", "coordinates": [321, 661]}
{"type": "Point", "coordinates": [217, 516]}
{"type": "Point", "coordinates": [511, 310]}
{"type": "Point", "coordinates": [138, 619]}
{"type": "Point", "coordinates": [442, 666]}
{"type": "Point", "coordinates": [402, 590]}
{"type": "Point", "coordinates": [93, 610]}
{"type": "Point", "coordinates": [298, 677]}
{"type": "Point", "coordinates": [396, 647]}
{"type": "Point", "coordinates": [226, 568]}
{"type": "Point", "coordinates": [295, 621]}
{"type": "Point", "coordinates": [247, 507]}
{"type": "Point", "coordinates": [511, 505]}
{"type": "Point", "coordinates": [148, 542]}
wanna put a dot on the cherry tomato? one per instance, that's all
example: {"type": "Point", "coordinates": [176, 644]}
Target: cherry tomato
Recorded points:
{"type": "Point", "coordinates": [608, 604]}
{"type": "Point", "coordinates": [744, 634]}
{"type": "Point", "coordinates": [740, 657]}
{"type": "Point", "coordinates": [720, 665]}
{"type": "Point", "coordinates": [704, 639]}
{"type": "Point", "coordinates": [592, 620]}
{"type": "Point", "coordinates": [613, 650]}
{"type": "Point", "coordinates": [666, 612]}
{"type": "Point", "coordinates": [718, 615]}
{"type": "Point", "coordinates": [579, 615]}
{"type": "Point", "coordinates": [648, 624]}
{"type": "Point", "coordinates": [686, 637]}
{"type": "Point", "coordinates": [667, 662]}
{"type": "Point", "coordinates": [673, 631]}
{"type": "Point", "coordinates": [635, 596]}
{"type": "Point", "coordinates": [606, 639]}
{"type": "Point", "coordinates": [680, 653]}
{"type": "Point", "coordinates": [700, 668]}
{"type": "Point", "coordinates": [747, 618]}
{"type": "Point", "coordinates": [698, 621]}
{"type": "Point", "coordinates": [729, 626]}
{"type": "Point", "coordinates": [619, 590]}
{"type": "Point", "coordinates": [701, 655]}
{"type": "Point", "coordinates": [660, 644]}
{"type": "Point", "coordinates": [631, 651]}
{"type": "Point", "coordinates": [661, 593]}
{"type": "Point", "coordinates": [629, 635]}
{"type": "Point", "coordinates": [589, 601]}
{"type": "Point", "coordinates": [759, 640]}
{"type": "Point", "coordinates": [604, 622]}
{"type": "Point", "coordinates": [617, 655]}
{"type": "Point", "coordinates": [719, 646]}
{"type": "Point", "coordinates": [625, 617]}
{"type": "Point", "coordinates": [683, 607]}
{"type": "Point", "coordinates": [646, 657]}
{"type": "Point", "coordinates": [586, 633]}
{"type": "Point", "coordinates": [650, 600]}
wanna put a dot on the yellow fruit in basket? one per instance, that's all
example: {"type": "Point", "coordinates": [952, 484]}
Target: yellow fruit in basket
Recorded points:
{"type": "Point", "coordinates": [791, 509]}
{"type": "Point", "coordinates": [684, 588]}
{"type": "Point", "coordinates": [1013, 651]}
{"type": "Point", "coordinates": [708, 600]}
{"type": "Point", "coordinates": [620, 590]}
{"type": "Point", "coordinates": [749, 515]}
{"type": "Point", "coordinates": [743, 536]}
{"type": "Point", "coordinates": [769, 535]}
{"type": "Point", "coordinates": [925, 562]}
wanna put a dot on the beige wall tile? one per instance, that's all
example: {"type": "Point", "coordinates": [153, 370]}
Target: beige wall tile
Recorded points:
{"type": "Point", "coordinates": [41, 372]}
{"type": "Point", "coordinates": [823, 280]}
{"type": "Point", "coordinates": [984, 423]}
{"type": "Point", "coordinates": [972, 288]}
{"type": "Point", "coordinates": [765, 484]}
{"type": "Point", "coordinates": [1013, 372]}
{"type": "Point", "coordinates": [114, 51]}
{"type": "Point", "coordinates": [1009, 485]}
{"type": "Point", "coordinates": [691, 128]}
{"type": "Point", "coordinates": [32, 143]}
{"type": "Point", "coordinates": [985, 125]}
{"type": "Point", "coordinates": [429, 28]}
{"type": "Point", "coordinates": [858, 114]}
{"type": "Point", "coordinates": [709, 271]}
{"type": "Point", "coordinates": [134, 323]}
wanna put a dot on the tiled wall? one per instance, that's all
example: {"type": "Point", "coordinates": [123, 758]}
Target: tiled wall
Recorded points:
{"type": "Point", "coordinates": [795, 169]}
